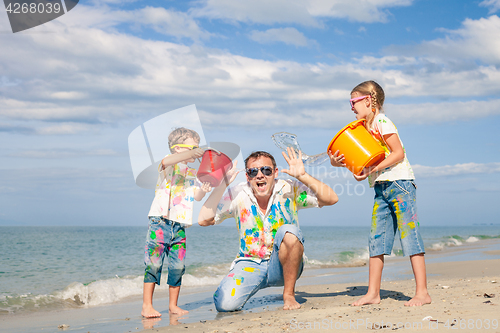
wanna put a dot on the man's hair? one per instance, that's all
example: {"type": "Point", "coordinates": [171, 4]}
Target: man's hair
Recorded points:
{"type": "Point", "coordinates": [181, 134]}
{"type": "Point", "coordinates": [258, 154]}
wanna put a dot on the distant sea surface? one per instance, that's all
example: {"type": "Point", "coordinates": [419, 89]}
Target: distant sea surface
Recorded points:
{"type": "Point", "coordinates": [44, 268]}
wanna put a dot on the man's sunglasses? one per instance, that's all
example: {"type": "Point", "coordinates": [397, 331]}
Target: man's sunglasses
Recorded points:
{"type": "Point", "coordinates": [253, 172]}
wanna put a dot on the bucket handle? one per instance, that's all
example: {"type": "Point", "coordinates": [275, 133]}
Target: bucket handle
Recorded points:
{"type": "Point", "coordinates": [357, 123]}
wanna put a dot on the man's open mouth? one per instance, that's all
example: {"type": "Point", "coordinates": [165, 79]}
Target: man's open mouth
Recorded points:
{"type": "Point", "coordinates": [261, 184]}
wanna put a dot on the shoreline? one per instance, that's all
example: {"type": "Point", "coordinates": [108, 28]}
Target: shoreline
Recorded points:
{"type": "Point", "coordinates": [322, 292]}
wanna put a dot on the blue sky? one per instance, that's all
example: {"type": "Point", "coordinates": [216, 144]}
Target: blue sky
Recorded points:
{"type": "Point", "coordinates": [72, 90]}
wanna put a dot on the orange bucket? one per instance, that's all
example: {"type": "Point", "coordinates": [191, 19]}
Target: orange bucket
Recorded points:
{"type": "Point", "coordinates": [213, 166]}
{"type": "Point", "coordinates": [360, 149]}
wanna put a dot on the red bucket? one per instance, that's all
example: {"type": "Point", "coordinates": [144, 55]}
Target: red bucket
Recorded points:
{"type": "Point", "coordinates": [213, 166]}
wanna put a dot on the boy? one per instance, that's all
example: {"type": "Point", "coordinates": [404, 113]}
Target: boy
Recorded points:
{"type": "Point", "coordinates": [171, 211]}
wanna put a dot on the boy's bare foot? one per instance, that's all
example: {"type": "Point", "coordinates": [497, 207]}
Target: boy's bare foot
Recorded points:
{"type": "Point", "coordinates": [149, 312]}
{"type": "Point", "coordinates": [367, 299]}
{"type": "Point", "coordinates": [148, 323]}
{"type": "Point", "coordinates": [419, 300]}
{"type": "Point", "coordinates": [177, 310]}
{"type": "Point", "coordinates": [290, 302]}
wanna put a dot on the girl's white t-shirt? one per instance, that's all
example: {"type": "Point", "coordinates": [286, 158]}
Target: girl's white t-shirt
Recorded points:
{"type": "Point", "coordinates": [382, 126]}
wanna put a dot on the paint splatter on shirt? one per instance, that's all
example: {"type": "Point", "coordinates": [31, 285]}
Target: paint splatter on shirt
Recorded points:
{"type": "Point", "coordinates": [256, 229]}
{"type": "Point", "coordinates": [384, 126]}
{"type": "Point", "coordinates": [174, 193]}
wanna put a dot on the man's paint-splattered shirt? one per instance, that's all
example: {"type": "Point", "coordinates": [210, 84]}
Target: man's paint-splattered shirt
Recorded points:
{"type": "Point", "coordinates": [257, 230]}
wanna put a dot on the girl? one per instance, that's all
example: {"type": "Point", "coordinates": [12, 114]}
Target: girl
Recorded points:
{"type": "Point", "coordinates": [395, 196]}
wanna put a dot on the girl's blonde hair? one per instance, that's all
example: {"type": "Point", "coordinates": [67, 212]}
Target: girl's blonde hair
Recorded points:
{"type": "Point", "coordinates": [375, 91]}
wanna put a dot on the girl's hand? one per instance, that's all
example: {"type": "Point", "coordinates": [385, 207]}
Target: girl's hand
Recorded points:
{"type": "Point", "coordinates": [206, 187]}
{"type": "Point", "coordinates": [337, 159]}
{"type": "Point", "coordinates": [295, 165]}
{"type": "Point", "coordinates": [360, 177]}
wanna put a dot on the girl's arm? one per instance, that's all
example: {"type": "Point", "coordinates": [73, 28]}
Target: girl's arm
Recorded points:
{"type": "Point", "coordinates": [397, 155]}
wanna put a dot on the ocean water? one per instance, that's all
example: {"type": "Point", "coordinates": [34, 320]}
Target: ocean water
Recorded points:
{"type": "Point", "coordinates": [46, 268]}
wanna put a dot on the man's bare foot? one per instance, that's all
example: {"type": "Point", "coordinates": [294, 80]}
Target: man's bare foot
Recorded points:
{"type": "Point", "coordinates": [177, 310]}
{"type": "Point", "coordinates": [290, 302]}
{"type": "Point", "coordinates": [419, 300]}
{"type": "Point", "coordinates": [367, 299]}
{"type": "Point", "coordinates": [149, 312]}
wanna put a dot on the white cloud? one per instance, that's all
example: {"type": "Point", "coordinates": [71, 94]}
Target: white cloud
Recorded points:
{"type": "Point", "coordinates": [289, 36]}
{"type": "Point", "coordinates": [164, 21]}
{"type": "Point", "coordinates": [426, 113]}
{"type": "Point", "coordinates": [62, 153]}
{"type": "Point", "coordinates": [304, 12]}
{"type": "Point", "coordinates": [91, 77]}
{"type": "Point", "coordinates": [456, 170]}
{"type": "Point", "coordinates": [475, 40]}
{"type": "Point", "coordinates": [493, 5]}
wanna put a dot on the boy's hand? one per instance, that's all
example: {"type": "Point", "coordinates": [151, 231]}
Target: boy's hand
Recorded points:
{"type": "Point", "coordinates": [206, 187]}
{"type": "Point", "coordinates": [295, 164]}
{"type": "Point", "coordinates": [337, 159]}
{"type": "Point", "coordinates": [196, 153]}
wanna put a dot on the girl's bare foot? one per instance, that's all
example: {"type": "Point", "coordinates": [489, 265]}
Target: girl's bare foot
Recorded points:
{"type": "Point", "coordinates": [149, 312]}
{"type": "Point", "coordinates": [367, 299]}
{"type": "Point", "coordinates": [177, 310]}
{"type": "Point", "coordinates": [290, 302]}
{"type": "Point", "coordinates": [419, 300]}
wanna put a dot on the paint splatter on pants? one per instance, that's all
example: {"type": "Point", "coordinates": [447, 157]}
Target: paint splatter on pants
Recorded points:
{"type": "Point", "coordinates": [165, 238]}
{"type": "Point", "coordinates": [395, 208]}
{"type": "Point", "coordinates": [247, 276]}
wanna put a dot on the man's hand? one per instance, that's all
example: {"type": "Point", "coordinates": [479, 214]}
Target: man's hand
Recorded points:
{"type": "Point", "coordinates": [295, 164]}
{"type": "Point", "coordinates": [231, 174]}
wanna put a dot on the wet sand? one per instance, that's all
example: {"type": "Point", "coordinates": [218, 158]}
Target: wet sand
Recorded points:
{"type": "Point", "coordinates": [465, 296]}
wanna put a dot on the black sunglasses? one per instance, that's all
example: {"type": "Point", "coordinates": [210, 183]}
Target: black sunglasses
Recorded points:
{"type": "Point", "coordinates": [253, 172]}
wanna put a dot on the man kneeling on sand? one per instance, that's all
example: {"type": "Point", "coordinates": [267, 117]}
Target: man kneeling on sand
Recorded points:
{"type": "Point", "coordinates": [271, 243]}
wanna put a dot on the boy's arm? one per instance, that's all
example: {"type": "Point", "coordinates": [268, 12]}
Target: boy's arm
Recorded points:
{"type": "Point", "coordinates": [179, 157]}
{"type": "Point", "coordinates": [325, 194]}
{"type": "Point", "coordinates": [199, 193]}
{"type": "Point", "coordinates": [209, 209]}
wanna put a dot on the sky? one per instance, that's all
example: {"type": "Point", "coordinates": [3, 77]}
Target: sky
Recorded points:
{"type": "Point", "coordinates": [73, 90]}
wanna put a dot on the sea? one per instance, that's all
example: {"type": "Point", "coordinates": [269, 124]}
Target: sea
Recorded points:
{"type": "Point", "coordinates": [54, 268]}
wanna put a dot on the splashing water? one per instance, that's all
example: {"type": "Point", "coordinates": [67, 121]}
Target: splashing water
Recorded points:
{"type": "Point", "coordinates": [284, 140]}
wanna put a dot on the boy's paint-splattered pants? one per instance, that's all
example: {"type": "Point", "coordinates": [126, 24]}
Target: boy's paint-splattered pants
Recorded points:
{"type": "Point", "coordinates": [247, 276]}
{"type": "Point", "coordinates": [165, 238]}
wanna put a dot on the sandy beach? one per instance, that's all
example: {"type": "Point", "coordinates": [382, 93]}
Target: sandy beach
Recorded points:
{"type": "Point", "coordinates": [463, 281]}
{"type": "Point", "coordinates": [465, 297]}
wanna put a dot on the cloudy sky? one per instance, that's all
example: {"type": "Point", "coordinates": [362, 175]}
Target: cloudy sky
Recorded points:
{"type": "Point", "coordinates": [72, 91]}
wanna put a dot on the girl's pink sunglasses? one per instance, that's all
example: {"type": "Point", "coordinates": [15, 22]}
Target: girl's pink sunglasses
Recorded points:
{"type": "Point", "coordinates": [354, 100]}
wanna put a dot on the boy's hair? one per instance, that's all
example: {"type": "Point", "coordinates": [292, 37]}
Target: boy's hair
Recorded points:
{"type": "Point", "coordinates": [377, 94]}
{"type": "Point", "coordinates": [257, 154]}
{"type": "Point", "coordinates": [181, 134]}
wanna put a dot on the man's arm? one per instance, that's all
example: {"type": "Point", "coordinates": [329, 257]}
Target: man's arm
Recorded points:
{"type": "Point", "coordinates": [325, 194]}
{"type": "Point", "coordinates": [209, 208]}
